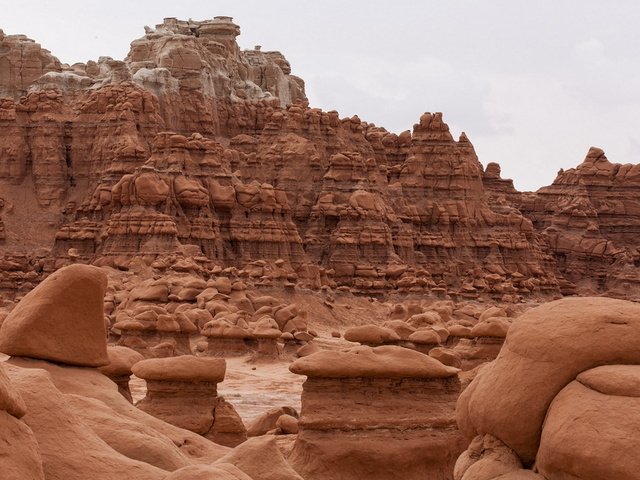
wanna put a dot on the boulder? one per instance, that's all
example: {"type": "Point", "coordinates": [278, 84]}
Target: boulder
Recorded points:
{"type": "Point", "coordinates": [61, 319]}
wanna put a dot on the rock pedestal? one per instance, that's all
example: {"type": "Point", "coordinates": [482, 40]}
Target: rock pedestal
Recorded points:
{"type": "Point", "coordinates": [373, 412]}
{"type": "Point", "coordinates": [121, 360]}
{"type": "Point", "coordinates": [182, 391]}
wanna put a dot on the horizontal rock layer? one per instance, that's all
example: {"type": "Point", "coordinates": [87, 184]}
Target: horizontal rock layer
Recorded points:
{"type": "Point", "coordinates": [190, 146]}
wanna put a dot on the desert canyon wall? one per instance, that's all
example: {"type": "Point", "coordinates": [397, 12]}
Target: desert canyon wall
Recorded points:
{"type": "Point", "coordinates": [191, 147]}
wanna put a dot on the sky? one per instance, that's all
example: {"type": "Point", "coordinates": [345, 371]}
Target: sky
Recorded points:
{"type": "Point", "coordinates": [533, 84]}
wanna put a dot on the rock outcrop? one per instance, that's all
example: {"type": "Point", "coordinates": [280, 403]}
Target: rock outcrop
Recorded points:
{"type": "Point", "coordinates": [561, 365]}
{"type": "Point", "coordinates": [121, 361]}
{"type": "Point", "coordinates": [374, 412]}
{"type": "Point", "coordinates": [22, 62]}
{"type": "Point", "coordinates": [61, 320]}
{"type": "Point", "coordinates": [182, 391]}
{"type": "Point", "coordinates": [590, 218]}
{"type": "Point", "coordinates": [322, 200]}
{"type": "Point", "coordinates": [21, 457]}
{"type": "Point", "coordinates": [95, 431]}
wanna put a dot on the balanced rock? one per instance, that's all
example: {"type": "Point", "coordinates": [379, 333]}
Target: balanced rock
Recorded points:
{"type": "Point", "coordinates": [183, 392]}
{"type": "Point", "coordinates": [61, 319]}
{"type": "Point", "coordinates": [373, 412]}
{"type": "Point", "coordinates": [287, 424]}
{"type": "Point", "coordinates": [267, 421]}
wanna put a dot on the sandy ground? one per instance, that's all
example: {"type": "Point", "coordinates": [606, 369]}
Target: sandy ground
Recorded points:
{"type": "Point", "coordinates": [255, 386]}
{"type": "Point", "coordinates": [252, 387]}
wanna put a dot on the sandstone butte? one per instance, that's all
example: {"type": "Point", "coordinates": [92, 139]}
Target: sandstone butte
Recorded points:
{"type": "Point", "coordinates": [203, 277]}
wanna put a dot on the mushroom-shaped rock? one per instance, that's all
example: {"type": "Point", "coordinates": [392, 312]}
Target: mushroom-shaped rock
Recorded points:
{"type": "Point", "coordinates": [446, 356]}
{"type": "Point", "coordinates": [425, 319]}
{"type": "Point", "coordinates": [488, 338]}
{"type": "Point", "coordinates": [544, 351]}
{"type": "Point", "coordinates": [492, 312]}
{"type": "Point", "coordinates": [491, 327]}
{"type": "Point", "coordinates": [457, 331]}
{"type": "Point", "coordinates": [387, 361]}
{"type": "Point", "coordinates": [266, 333]}
{"type": "Point", "coordinates": [372, 335]}
{"type": "Point", "coordinates": [425, 339]}
{"type": "Point", "coordinates": [121, 360]}
{"type": "Point", "coordinates": [185, 368]}
{"type": "Point", "coordinates": [182, 391]}
{"type": "Point", "coordinates": [378, 410]}
{"type": "Point", "coordinates": [148, 326]}
{"type": "Point", "coordinates": [61, 320]}
{"type": "Point", "coordinates": [225, 338]}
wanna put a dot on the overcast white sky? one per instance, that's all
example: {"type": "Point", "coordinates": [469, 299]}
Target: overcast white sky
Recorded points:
{"type": "Point", "coordinates": [533, 84]}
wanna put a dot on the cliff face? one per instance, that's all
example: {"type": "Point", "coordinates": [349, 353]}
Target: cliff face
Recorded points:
{"type": "Point", "coordinates": [590, 220]}
{"type": "Point", "coordinates": [192, 147]}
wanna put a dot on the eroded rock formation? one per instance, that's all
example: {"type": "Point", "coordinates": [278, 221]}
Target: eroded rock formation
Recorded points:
{"type": "Point", "coordinates": [182, 391]}
{"type": "Point", "coordinates": [590, 218]}
{"type": "Point", "coordinates": [547, 384]}
{"type": "Point", "coordinates": [375, 412]}
{"type": "Point", "coordinates": [322, 200]}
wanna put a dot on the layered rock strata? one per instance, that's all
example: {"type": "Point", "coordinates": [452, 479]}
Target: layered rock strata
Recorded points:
{"type": "Point", "coordinates": [590, 218]}
{"type": "Point", "coordinates": [323, 200]}
{"type": "Point", "coordinates": [182, 391]}
{"type": "Point", "coordinates": [374, 412]}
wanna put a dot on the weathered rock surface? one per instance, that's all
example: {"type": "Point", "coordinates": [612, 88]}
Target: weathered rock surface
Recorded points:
{"type": "Point", "coordinates": [261, 459]}
{"type": "Point", "coordinates": [95, 431]}
{"type": "Point", "coordinates": [374, 412]}
{"type": "Point", "coordinates": [563, 365]}
{"type": "Point", "coordinates": [22, 62]}
{"type": "Point", "coordinates": [590, 425]}
{"type": "Point", "coordinates": [182, 391]}
{"type": "Point", "coordinates": [335, 201]}
{"type": "Point", "coordinates": [20, 457]}
{"type": "Point", "coordinates": [590, 218]}
{"type": "Point", "coordinates": [61, 320]}
{"type": "Point", "coordinates": [207, 472]}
